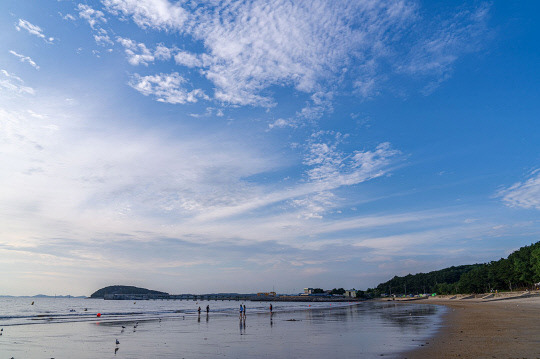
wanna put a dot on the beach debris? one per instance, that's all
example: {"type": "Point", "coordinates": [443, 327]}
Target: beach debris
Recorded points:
{"type": "Point", "coordinates": [85, 309]}
{"type": "Point", "coordinates": [32, 303]}
{"type": "Point", "coordinates": [123, 327]}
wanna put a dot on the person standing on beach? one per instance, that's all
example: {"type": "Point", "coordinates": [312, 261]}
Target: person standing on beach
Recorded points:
{"type": "Point", "coordinates": [270, 308]}
{"type": "Point", "coordinates": [199, 310]}
{"type": "Point", "coordinates": [207, 309]}
{"type": "Point", "coordinates": [241, 311]}
{"type": "Point", "coordinates": [244, 310]}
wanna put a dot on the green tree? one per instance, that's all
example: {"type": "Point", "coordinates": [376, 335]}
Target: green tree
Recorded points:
{"type": "Point", "coordinates": [535, 263]}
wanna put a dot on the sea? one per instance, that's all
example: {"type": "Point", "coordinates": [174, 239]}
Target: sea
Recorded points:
{"type": "Point", "coordinates": [90, 328]}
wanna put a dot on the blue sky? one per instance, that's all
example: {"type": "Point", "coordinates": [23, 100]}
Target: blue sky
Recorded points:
{"type": "Point", "coordinates": [205, 146]}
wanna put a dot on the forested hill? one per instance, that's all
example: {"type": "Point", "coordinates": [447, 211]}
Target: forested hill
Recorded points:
{"type": "Point", "coordinates": [425, 282]}
{"type": "Point", "coordinates": [123, 289]}
{"type": "Point", "coordinates": [520, 270]}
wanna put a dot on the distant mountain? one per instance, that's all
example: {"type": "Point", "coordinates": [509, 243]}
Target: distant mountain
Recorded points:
{"type": "Point", "coordinates": [124, 289]}
{"type": "Point", "coordinates": [56, 296]}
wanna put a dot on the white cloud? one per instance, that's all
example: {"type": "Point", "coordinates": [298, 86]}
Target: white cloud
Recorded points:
{"type": "Point", "coordinates": [93, 17]}
{"type": "Point", "coordinates": [69, 17]}
{"type": "Point", "coordinates": [162, 52]}
{"type": "Point", "coordinates": [281, 123]}
{"type": "Point", "coordinates": [187, 59]}
{"type": "Point", "coordinates": [523, 194]}
{"type": "Point", "coordinates": [33, 29]}
{"type": "Point", "coordinates": [335, 168]}
{"type": "Point", "coordinates": [166, 88]}
{"type": "Point", "coordinates": [250, 46]}
{"type": "Point", "coordinates": [158, 14]}
{"type": "Point", "coordinates": [14, 83]}
{"type": "Point", "coordinates": [327, 169]}
{"type": "Point", "coordinates": [56, 171]}
{"type": "Point", "coordinates": [103, 40]}
{"type": "Point", "coordinates": [23, 58]}
{"type": "Point", "coordinates": [137, 53]}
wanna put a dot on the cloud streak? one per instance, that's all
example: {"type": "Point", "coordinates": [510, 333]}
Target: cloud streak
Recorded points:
{"type": "Point", "coordinates": [524, 194]}
{"type": "Point", "coordinates": [26, 59]}
{"type": "Point", "coordinates": [33, 30]}
{"type": "Point", "coordinates": [14, 84]}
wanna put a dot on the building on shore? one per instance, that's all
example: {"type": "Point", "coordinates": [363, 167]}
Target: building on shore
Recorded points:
{"type": "Point", "coordinates": [351, 293]}
{"type": "Point", "coordinates": [266, 294]}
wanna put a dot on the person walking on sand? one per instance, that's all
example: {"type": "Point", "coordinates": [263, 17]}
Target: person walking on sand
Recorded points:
{"type": "Point", "coordinates": [270, 308]}
{"type": "Point", "coordinates": [207, 309]}
{"type": "Point", "coordinates": [244, 310]}
{"type": "Point", "coordinates": [199, 310]}
{"type": "Point", "coordinates": [241, 311]}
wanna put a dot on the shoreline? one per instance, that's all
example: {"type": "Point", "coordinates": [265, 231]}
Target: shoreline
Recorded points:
{"type": "Point", "coordinates": [483, 329]}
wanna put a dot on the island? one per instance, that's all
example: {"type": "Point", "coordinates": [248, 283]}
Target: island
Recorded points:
{"type": "Point", "coordinates": [125, 292]}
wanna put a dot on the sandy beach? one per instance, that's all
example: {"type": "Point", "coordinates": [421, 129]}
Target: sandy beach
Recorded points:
{"type": "Point", "coordinates": [484, 329]}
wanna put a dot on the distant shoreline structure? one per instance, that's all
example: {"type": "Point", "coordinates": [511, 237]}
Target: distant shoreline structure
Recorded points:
{"type": "Point", "coordinates": [119, 292]}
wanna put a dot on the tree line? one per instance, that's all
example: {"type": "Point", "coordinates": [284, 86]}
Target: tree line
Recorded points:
{"type": "Point", "coordinates": [520, 270]}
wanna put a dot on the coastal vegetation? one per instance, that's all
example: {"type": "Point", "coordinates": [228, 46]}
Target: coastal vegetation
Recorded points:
{"type": "Point", "coordinates": [520, 270]}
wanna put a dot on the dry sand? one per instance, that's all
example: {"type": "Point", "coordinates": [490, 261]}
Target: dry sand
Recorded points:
{"type": "Point", "coordinates": [479, 329]}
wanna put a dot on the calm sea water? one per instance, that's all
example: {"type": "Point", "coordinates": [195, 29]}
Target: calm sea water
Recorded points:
{"type": "Point", "coordinates": [66, 328]}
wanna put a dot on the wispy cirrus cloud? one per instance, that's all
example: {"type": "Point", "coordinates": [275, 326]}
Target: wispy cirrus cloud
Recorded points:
{"type": "Point", "coordinates": [524, 194]}
{"type": "Point", "coordinates": [33, 30]}
{"type": "Point", "coordinates": [26, 59]}
{"type": "Point", "coordinates": [14, 83]}
{"type": "Point", "coordinates": [435, 55]}
{"type": "Point", "coordinates": [329, 165]}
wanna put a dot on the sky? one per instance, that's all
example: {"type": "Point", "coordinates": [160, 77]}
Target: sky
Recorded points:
{"type": "Point", "coordinates": [245, 146]}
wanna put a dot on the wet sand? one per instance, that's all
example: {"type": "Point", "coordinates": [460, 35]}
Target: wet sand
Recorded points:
{"type": "Point", "coordinates": [367, 330]}
{"type": "Point", "coordinates": [479, 329]}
